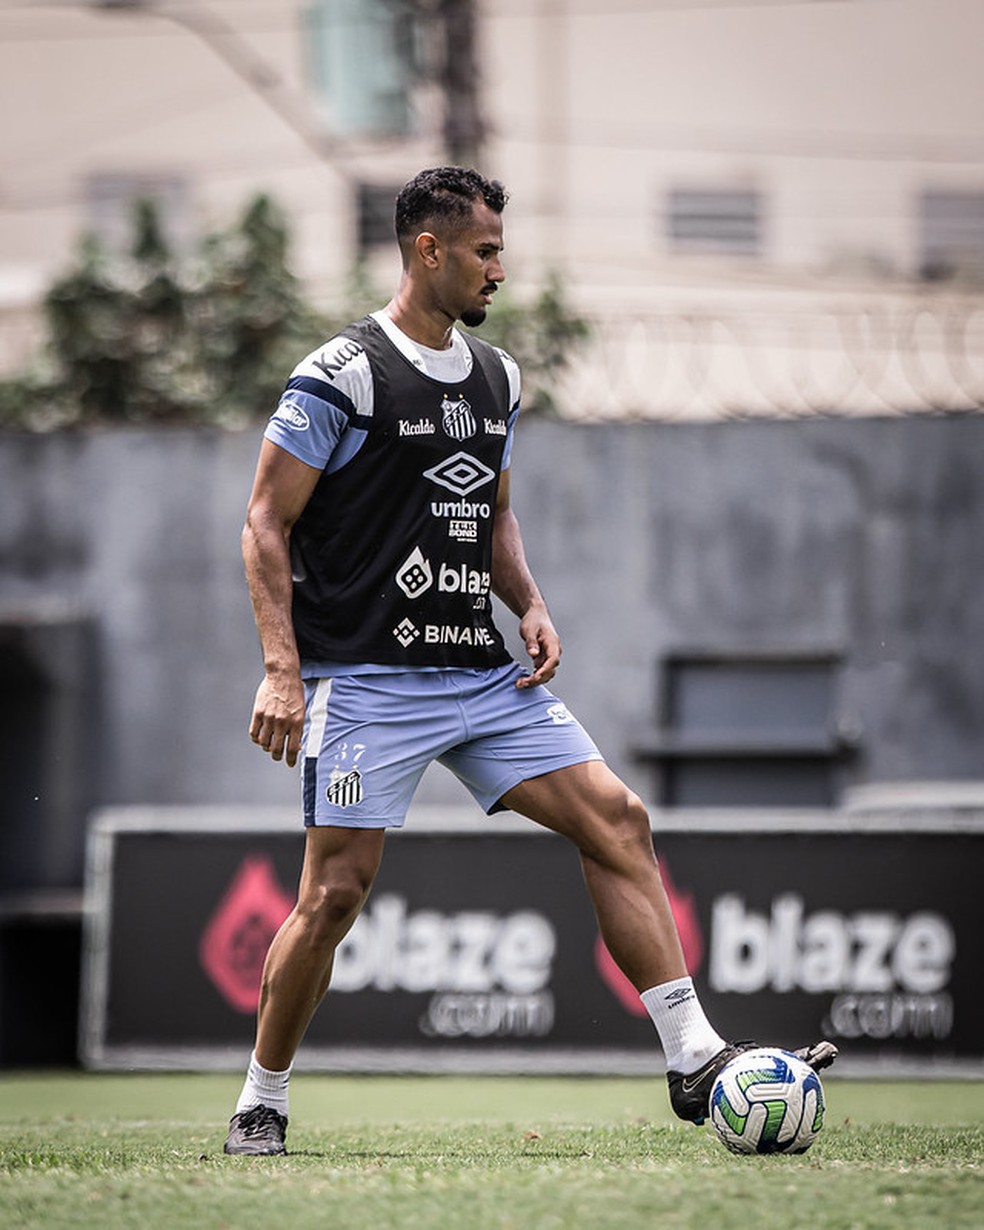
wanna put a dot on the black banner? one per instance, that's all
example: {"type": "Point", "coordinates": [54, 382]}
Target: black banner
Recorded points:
{"type": "Point", "coordinates": [477, 944]}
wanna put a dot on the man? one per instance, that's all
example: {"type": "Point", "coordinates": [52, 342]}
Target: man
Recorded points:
{"type": "Point", "coordinates": [378, 528]}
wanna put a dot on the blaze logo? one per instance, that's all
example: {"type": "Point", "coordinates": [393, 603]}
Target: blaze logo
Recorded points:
{"type": "Point", "coordinates": [233, 946]}
{"type": "Point", "coordinates": [415, 576]}
{"type": "Point", "coordinates": [691, 940]}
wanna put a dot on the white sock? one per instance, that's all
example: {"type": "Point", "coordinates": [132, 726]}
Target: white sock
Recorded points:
{"type": "Point", "coordinates": [264, 1087]}
{"type": "Point", "coordinates": [686, 1035]}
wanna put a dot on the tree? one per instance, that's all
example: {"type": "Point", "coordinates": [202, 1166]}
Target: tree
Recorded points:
{"type": "Point", "coordinates": [148, 339]}
{"type": "Point", "coordinates": [152, 340]}
{"type": "Point", "coordinates": [539, 336]}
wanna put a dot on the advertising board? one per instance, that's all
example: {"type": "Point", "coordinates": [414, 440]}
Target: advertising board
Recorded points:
{"type": "Point", "coordinates": [478, 948]}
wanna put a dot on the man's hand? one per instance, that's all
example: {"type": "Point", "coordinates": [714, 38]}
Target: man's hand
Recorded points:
{"type": "Point", "coordinates": [278, 718]}
{"type": "Point", "coordinates": [542, 644]}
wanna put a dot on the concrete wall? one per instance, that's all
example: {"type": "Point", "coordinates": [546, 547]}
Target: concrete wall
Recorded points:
{"type": "Point", "coordinates": [860, 537]}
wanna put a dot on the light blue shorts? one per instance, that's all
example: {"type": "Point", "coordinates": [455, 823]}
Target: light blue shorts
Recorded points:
{"type": "Point", "coordinates": [369, 738]}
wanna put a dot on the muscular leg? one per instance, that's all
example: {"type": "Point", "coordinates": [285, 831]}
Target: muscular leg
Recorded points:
{"type": "Point", "coordinates": [339, 867]}
{"type": "Point", "coordinates": [609, 826]}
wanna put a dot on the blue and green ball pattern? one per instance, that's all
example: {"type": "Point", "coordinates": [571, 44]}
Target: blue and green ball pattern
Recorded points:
{"type": "Point", "coordinates": [767, 1101]}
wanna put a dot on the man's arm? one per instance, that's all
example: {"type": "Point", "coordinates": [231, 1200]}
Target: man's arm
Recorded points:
{"type": "Point", "coordinates": [281, 488]}
{"type": "Point", "coordinates": [513, 582]}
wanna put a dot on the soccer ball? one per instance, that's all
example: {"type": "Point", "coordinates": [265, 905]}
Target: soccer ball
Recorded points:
{"type": "Point", "coordinates": [767, 1101]}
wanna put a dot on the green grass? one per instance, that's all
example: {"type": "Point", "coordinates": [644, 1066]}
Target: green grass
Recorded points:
{"type": "Point", "coordinates": [437, 1153]}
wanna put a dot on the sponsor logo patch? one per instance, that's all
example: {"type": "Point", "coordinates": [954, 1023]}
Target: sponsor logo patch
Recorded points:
{"type": "Point", "coordinates": [293, 417]}
{"type": "Point", "coordinates": [415, 576]}
{"type": "Point", "coordinates": [406, 632]}
{"type": "Point", "coordinates": [422, 427]}
{"type": "Point", "coordinates": [461, 509]}
{"type": "Point", "coordinates": [461, 474]}
{"type": "Point", "coordinates": [332, 363]}
{"type": "Point", "coordinates": [463, 531]}
{"type": "Point", "coordinates": [460, 579]}
{"type": "Point", "coordinates": [452, 634]}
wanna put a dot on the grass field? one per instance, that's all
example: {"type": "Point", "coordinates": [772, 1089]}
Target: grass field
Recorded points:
{"type": "Point", "coordinates": [108, 1151]}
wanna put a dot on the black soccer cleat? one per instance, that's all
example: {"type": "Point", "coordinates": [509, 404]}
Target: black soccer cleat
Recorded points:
{"type": "Point", "coordinates": [257, 1132]}
{"type": "Point", "coordinates": [819, 1056]}
{"type": "Point", "coordinates": [690, 1094]}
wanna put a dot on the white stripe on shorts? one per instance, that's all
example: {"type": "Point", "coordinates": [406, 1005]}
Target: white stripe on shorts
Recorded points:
{"type": "Point", "coordinates": [319, 718]}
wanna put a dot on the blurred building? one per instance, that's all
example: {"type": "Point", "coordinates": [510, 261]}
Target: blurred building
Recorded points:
{"type": "Point", "coordinates": [769, 208]}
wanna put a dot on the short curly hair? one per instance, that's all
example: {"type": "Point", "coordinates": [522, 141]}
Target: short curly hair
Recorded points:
{"type": "Point", "coordinates": [444, 195]}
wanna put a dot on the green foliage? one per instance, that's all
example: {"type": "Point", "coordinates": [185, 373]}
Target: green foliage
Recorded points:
{"type": "Point", "coordinates": [540, 337]}
{"type": "Point", "coordinates": [150, 339]}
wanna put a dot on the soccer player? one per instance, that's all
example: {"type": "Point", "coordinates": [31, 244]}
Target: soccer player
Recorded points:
{"type": "Point", "coordinates": [378, 529]}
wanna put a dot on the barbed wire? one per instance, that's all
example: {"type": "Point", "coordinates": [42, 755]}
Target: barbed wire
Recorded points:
{"type": "Point", "coordinates": [881, 358]}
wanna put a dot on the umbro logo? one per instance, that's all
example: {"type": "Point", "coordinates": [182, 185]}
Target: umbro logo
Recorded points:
{"type": "Point", "coordinates": [680, 996]}
{"type": "Point", "coordinates": [461, 474]}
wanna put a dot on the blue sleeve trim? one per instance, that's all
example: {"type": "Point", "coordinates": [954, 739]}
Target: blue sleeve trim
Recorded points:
{"type": "Point", "coordinates": [307, 426]}
{"type": "Point", "coordinates": [282, 436]}
{"type": "Point", "coordinates": [326, 392]}
{"type": "Point", "coordinates": [510, 432]}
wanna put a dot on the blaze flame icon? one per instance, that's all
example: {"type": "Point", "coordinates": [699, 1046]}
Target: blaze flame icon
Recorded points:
{"type": "Point", "coordinates": [691, 940]}
{"type": "Point", "coordinates": [235, 942]}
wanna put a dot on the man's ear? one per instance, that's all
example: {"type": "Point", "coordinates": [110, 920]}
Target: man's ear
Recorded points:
{"type": "Point", "coordinates": [427, 248]}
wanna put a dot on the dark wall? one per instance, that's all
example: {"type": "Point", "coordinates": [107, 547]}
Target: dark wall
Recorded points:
{"type": "Point", "coordinates": [122, 595]}
{"type": "Point", "coordinates": [861, 538]}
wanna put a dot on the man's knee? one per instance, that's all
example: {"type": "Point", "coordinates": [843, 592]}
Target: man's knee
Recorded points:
{"type": "Point", "coordinates": [615, 828]}
{"type": "Point", "coordinates": [333, 891]}
{"type": "Point", "coordinates": [335, 901]}
{"type": "Point", "coordinates": [629, 820]}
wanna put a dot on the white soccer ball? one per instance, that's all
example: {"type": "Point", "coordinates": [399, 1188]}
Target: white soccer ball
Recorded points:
{"type": "Point", "coordinates": [767, 1101]}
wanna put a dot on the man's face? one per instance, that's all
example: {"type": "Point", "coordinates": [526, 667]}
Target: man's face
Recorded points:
{"type": "Point", "coordinates": [473, 267]}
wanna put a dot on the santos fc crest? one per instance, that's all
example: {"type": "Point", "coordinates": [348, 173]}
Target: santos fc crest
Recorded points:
{"type": "Point", "coordinates": [457, 418]}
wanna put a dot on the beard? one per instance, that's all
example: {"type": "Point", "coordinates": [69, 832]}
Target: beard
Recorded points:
{"type": "Point", "coordinates": [473, 317]}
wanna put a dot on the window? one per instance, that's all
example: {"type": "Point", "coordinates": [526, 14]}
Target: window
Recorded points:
{"type": "Point", "coordinates": [951, 233]}
{"type": "Point", "coordinates": [714, 221]}
{"type": "Point", "coordinates": [376, 204]}
{"type": "Point", "coordinates": [361, 64]}
{"type": "Point", "coordinates": [747, 730]}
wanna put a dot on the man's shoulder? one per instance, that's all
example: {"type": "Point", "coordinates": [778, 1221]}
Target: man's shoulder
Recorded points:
{"type": "Point", "coordinates": [337, 372]}
{"type": "Point", "coordinates": [496, 354]}
{"type": "Point", "coordinates": [479, 343]}
{"type": "Point", "coordinates": [341, 356]}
